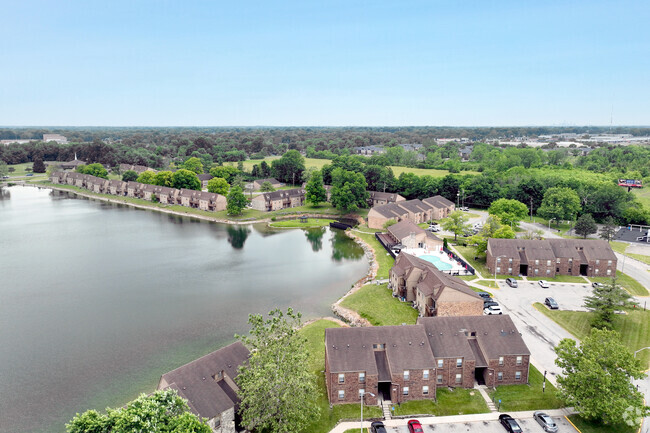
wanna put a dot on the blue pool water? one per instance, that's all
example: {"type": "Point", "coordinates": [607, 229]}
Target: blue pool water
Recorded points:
{"type": "Point", "coordinates": [436, 262]}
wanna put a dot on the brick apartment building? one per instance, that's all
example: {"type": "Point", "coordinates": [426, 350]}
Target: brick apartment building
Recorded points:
{"type": "Point", "coordinates": [416, 211]}
{"type": "Point", "coordinates": [402, 363]}
{"type": "Point", "coordinates": [550, 257]}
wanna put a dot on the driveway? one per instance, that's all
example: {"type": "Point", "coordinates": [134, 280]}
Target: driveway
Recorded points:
{"type": "Point", "coordinates": [528, 425]}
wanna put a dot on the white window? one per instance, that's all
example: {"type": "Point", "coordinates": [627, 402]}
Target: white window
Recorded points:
{"type": "Point", "coordinates": [509, 260]}
{"type": "Point", "coordinates": [425, 374]}
{"type": "Point", "coordinates": [361, 392]}
{"type": "Point", "coordinates": [548, 272]}
{"type": "Point", "coordinates": [500, 360]}
{"type": "Point", "coordinates": [439, 379]}
{"type": "Point", "coordinates": [537, 261]}
{"type": "Point", "coordinates": [557, 260]}
{"type": "Point", "coordinates": [536, 271]}
{"type": "Point", "coordinates": [609, 272]}
{"type": "Point", "coordinates": [500, 375]}
{"type": "Point", "coordinates": [341, 394]}
{"type": "Point", "coordinates": [341, 377]}
{"type": "Point", "coordinates": [459, 378]}
{"type": "Point", "coordinates": [598, 262]}
{"type": "Point", "coordinates": [548, 263]}
{"type": "Point", "coordinates": [609, 262]}
{"type": "Point", "coordinates": [362, 377]}
{"type": "Point", "coordinates": [405, 390]}
{"type": "Point", "coordinates": [510, 270]}
{"type": "Point", "coordinates": [440, 363]}
{"type": "Point", "coordinates": [519, 359]}
{"type": "Point", "coordinates": [459, 362]}
{"type": "Point", "coordinates": [517, 375]}
{"type": "Point", "coordinates": [498, 269]}
{"type": "Point", "coordinates": [407, 375]}
{"type": "Point", "coordinates": [498, 259]}
{"type": "Point", "coordinates": [597, 270]}
{"type": "Point", "coordinates": [425, 390]}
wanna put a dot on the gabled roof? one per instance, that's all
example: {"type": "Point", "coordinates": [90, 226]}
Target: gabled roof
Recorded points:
{"type": "Point", "coordinates": [283, 193]}
{"type": "Point", "coordinates": [198, 381]}
{"type": "Point", "coordinates": [204, 177]}
{"type": "Point", "coordinates": [271, 180]}
{"type": "Point", "coordinates": [550, 249]}
{"type": "Point", "coordinates": [414, 205]}
{"type": "Point", "coordinates": [404, 229]}
{"type": "Point", "coordinates": [390, 210]}
{"type": "Point", "coordinates": [438, 201]}
{"type": "Point", "coordinates": [390, 197]}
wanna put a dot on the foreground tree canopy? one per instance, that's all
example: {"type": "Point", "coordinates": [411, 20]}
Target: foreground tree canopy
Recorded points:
{"type": "Point", "coordinates": [277, 390]}
{"type": "Point", "coordinates": [596, 378]}
{"type": "Point", "coordinates": [160, 412]}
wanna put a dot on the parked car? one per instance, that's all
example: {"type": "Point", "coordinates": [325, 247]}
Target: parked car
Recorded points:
{"type": "Point", "coordinates": [484, 295]}
{"type": "Point", "coordinates": [546, 422]}
{"type": "Point", "coordinates": [414, 426]}
{"type": "Point", "coordinates": [491, 310]}
{"type": "Point", "coordinates": [377, 427]}
{"type": "Point", "coordinates": [543, 284]}
{"type": "Point", "coordinates": [29, 174]}
{"type": "Point", "coordinates": [550, 303]}
{"type": "Point", "coordinates": [464, 208]}
{"type": "Point", "coordinates": [490, 303]}
{"type": "Point", "coordinates": [509, 423]}
{"type": "Point", "coordinates": [511, 282]}
{"type": "Point", "coordinates": [597, 285]}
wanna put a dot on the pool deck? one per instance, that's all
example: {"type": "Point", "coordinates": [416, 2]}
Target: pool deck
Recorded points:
{"type": "Point", "coordinates": [419, 252]}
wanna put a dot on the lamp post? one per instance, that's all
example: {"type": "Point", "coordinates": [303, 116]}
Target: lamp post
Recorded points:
{"type": "Point", "coordinates": [643, 348]}
{"type": "Point", "coordinates": [495, 269]}
{"type": "Point", "coordinates": [549, 222]}
{"type": "Point", "coordinates": [362, 394]}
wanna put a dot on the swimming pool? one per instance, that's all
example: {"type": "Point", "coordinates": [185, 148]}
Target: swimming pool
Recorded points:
{"type": "Point", "coordinates": [436, 262]}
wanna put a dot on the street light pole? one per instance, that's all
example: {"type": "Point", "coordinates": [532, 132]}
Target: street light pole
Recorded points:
{"type": "Point", "coordinates": [362, 394]}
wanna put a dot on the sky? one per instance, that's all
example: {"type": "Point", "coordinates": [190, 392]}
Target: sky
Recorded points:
{"type": "Point", "coordinates": [324, 63]}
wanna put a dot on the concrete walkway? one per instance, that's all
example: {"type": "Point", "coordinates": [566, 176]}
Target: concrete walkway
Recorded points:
{"type": "Point", "coordinates": [490, 416]}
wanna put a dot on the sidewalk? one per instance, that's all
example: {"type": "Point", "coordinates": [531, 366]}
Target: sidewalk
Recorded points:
{"type": "Point", "coordinates": [489, 416]}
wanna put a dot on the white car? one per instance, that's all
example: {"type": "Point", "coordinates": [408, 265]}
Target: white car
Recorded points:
{"type": "Point", "coordinates": [492, 309]}
{"type": "Point", "coordinates": [543, 284]}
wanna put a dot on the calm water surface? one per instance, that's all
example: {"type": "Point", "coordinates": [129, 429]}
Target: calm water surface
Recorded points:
{"type": "Point", "coordinates": [98, 300]}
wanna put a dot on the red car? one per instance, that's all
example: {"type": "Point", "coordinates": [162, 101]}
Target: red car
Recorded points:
{"type": "Point", "coordinates": [415, 426]}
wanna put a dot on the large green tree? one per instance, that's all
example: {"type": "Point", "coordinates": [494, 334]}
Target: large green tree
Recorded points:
{"type": "Point", "coordinates": [315, 190]}
{"type": "Point", "coordinates": [457, 223]}
{"type": "Point", "coordinates": [4, 169]}
{"type": "Point", "coordinates": [605, 301]}
{"type": "Point", "coordinates": [193, 164]}
{"type": "Point", "coordinates": [348, 191]}
{"type": "Point", "coordinates": [39, 166]}
{"type": "Point", "coordinates": [492, 228]}
{"type": "Point", "coordinates": [608, 231]}
{"type": "Point", "coordinates": [236, 201]}
{"type": "Point", "coordinates": [218, 185]}
{"type": "Point", "coordinates": [277, 390]}
{"type": "Point", "coordinates": [129, 176]}
{"type": "Point", "coordinates": [148, 177]}
{"type": "Point", "coordinates": [160, 412]}
{"type": "Point", "coordinates": [164, 178]}
{"type": "Point", "coordinates": [289, 167]}
{"type": "Point", "coordinates": [266, 186]}
{"type": "Point", "coordinates": [95, 169]}
{"type": "Point", "coordinates": [585, 225]}
{"type": "Point", "coordinates": [559, 204]}
{"type": "Point", "coordinates": [597, 377]}
{"type": "Point", "coordinates": [227, 172]}
{"type": "Point", "coordinates": [510, 212]}
{"type": "Point", "coordinates": [186, 179]}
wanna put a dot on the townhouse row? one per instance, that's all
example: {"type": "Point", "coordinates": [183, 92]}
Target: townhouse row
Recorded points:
{"type": "Point", "coordinates": [185, 197]}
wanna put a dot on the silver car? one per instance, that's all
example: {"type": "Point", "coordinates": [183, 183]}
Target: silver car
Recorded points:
{"type": "Point", "coordinates": [546, 422]}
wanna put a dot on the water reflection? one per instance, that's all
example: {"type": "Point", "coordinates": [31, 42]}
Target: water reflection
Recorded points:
{"type": "Point", "coordinates": [237, 235]}
{"type": "Point", "coordinates": [4, 194]}
{"type": "Point", "coordinates": [342, 248]}
{"type": "Point", "coordinates": [315, 238]}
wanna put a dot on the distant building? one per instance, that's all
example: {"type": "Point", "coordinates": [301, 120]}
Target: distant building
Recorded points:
{"type": "Point", "coordinates": [415, 210]}
{"type": "Point", "coordinates": [281, 199]}
{"type": "Point", "coordinates": [368, 150]}
{"type": "Point", "coordinates": [257, 184]}
{"type": "Point", "coordinates": [378, 198]}
{"type": "Point", "coordinates": [60, 139]}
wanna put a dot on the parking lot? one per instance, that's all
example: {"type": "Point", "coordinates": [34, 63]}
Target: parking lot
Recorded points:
{"type": "Point", "coordinates": [569, 296]}
{"type": "Point", "coordinates": [528, 425]}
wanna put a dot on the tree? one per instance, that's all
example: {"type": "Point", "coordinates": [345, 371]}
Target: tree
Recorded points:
{"type": "Point", "coordinates": [129, 176]}
{"type": "Point", "coordinates": [4, 169]}
{"type": "Point", "coordinates": [227, 172]}
{"type": "Point", "coordinates": [218, 185]}
{"type": "Point", "coordinates": [585, 225]}
{"type": "Point", "coordinates": [267, 186]}
{"type": "Point", "coordinates": [95, 169]}
{"type": "Point", "coordinates": [277, 390]}
{"type": "Point", "coordinates": [186, 179]}
{"type": "Point", "coordinates": [608, 231]}
{"type": "Point", "coordinates": [596, 377]}
{"type": "Point", "coordinates": [559, 204]}
{"type": "Point", "coordinates": [289, 167]}
{"type": "Point", "coordinates": [236, 201]}
{"type": "Point", "coordinates": [348, 191]}
{"type": "Point", "coordinates": [193, 164]}
{"type": "Point", "coordinates": [164, 178]}
{"type": "Point", "coordinates": [605, 301]}
{"type": "Point", "coordinates": [315, 190]}
{"type": "Point", "coordinates": [148, 177]}
{"type": "Point", "coordinates": [265, 170]}
{"type": "Point", "coordinates": [510, 212]}
{"type": "Point", "coordinates": [39, 166]}
{"type": "Point", "coordinates": [456, 223]}
{"type": "Point", "coordinates": [492, 228]}
{"type": "Point", "coordinates": [162, 411]}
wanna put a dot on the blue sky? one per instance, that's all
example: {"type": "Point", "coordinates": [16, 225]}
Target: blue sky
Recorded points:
{"type": "Point", "coordinates": [338, 63]}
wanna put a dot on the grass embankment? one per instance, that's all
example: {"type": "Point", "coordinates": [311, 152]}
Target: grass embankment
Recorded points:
{"type": "Point", "coordinates": [487, 283]}
{"type": "Point", "coordinates": [634, 327]}
{"type": "Point", "coordinates": [625, 281]}
{"type": "Point", "coordinates": [384, 260]}
{"type": "Point", "coordinates": [585, 426]}
{"type": "Point", "coordinates": [619, 247]}
{"type": "Point", "coordinates": [527, 396]}
{"type": "Point", "coordinates": [377, 304]}
{"type": "Point", "coordinates": [641, 258]}
{"type": "Point", "coordinates": [561, 279]}
{"type": "Point", "coordinates": [315, 335]}
{"type": "Point", "coordinates": [643, 194]}
{"type": "Point", "coordinates": [454, 401]}
{"type": "Point", "coordinates": [309, 223]}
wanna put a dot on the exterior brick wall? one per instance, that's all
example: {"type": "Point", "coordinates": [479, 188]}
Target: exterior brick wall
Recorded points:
{"type": "Point", "coordinates": [600, 269]}
{"type": "Point", "coordinates": [449, 372]}
{"type": "Point", "coordinates": [508, 369]}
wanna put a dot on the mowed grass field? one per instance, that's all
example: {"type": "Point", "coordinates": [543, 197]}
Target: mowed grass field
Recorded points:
{"type": "Point", "coordinates": [319, 163]}
{"type": "Point", "coordinates": [643, 194]}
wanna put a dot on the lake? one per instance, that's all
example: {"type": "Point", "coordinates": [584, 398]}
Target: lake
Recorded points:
{"type": "Point", "coordinates": [97, 300]}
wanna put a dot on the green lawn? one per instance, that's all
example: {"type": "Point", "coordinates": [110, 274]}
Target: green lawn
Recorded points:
{"type": "Point", "coordinates": [315, 335]}
{"type": "Point", "coordinates": [641, 258]}
{"type": "Point", "coordinates": [527, 396]}
{"type": "Point", "coordinates": [585, 426]}
{"type": "Point", "coordinates": [561, 279]}
{"type": "Point", "coordinates": [618, 246]}
{"type": "Point", "coordinates": [634, 327]}
{"type": "Point", "coordinates": [564, 226]}
{"type": "Point", "coordinates": [310, 222]}
{"type": "Point", "coordinates": [384, 260]}
{"type": "Point", "coordinates": [625, 281]}
{"type": "Point", "coordinates": [377, 304]}
{"type": "Point", "coordinates": [487, 283]}
{"type": "Point", "coordinates": [643, 194]}
{"type": "Point", "coordinates": [457, 401]}
{"type": "Point", "coordinates": [480, 290]}
{"type": "Point", "coordinates": [469, 252]}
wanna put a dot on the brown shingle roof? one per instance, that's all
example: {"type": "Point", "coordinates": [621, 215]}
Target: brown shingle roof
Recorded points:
{"type": "Point", "coordinates": [390, 210]}
{"type": "Point", "coordinates": [404, 229]}
{"type": "Point", "coordinates": [390, 197]}
{"type": "Point", "coordinates": [438, 201]}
